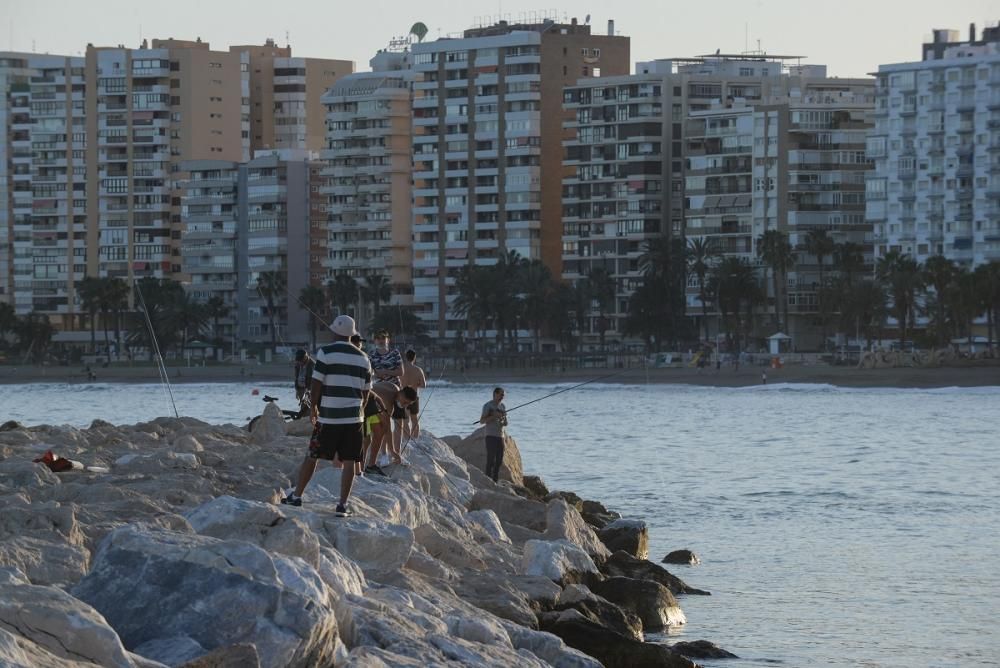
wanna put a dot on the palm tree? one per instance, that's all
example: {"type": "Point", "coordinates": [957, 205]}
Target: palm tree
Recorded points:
{"type": "Point", "coordinates": [376, 290]}
{"type": "Point", "coordinates": [820, 245]}
{"type": "Point", "coordinates": [535, 286]}
{"type": "Point", "coordinates": [115, 298]}
{"type": "Point", "coordinates": [773, 248]}
{"type": "Point", "coordinates": [216, 308]}
{"type": "Point", "coordinates": [849, 259]}
{"type": "Point", "coordinates": [34, 335]}
{"type": "Point", "coordinates": [189, 318]}
{"type": "Point", "coordinates": [988, 285]}
{"type": "Point", "coordinates": [473, 289]}
{"type": "Point", "coordinates": [342, 292]}
{"type": "Point", "coordinates": [159, 297]}
{"type": "Point", "coordinates": [271, 286]}
{"type": "Point", "coordinates": [8, 320]}
{"type": "Point", "coordinates": [939, 273]}
{"type": "Point", "coordinates": [863, 308]}
{"type": "Point", "coordinates": [582, 300]}
{"type": "Point", "coordinates": [89, 291]}
{"type": "Point", "coordinates": [702, 253]}
{"type": "Point", "coordinates": [312, 299]}
{"type": "Point", "coordinates": [602, 292]}
{"type": "Point", "coordinates": [733, 284]}
{"type": "Point", "coordinates": [902, 276]}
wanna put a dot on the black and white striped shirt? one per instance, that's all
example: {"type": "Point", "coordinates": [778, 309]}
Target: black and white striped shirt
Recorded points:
{"type": "Point", "coordinates": [345, 373]}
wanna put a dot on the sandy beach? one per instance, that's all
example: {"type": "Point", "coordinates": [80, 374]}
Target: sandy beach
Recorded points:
{"type": "Point", "coordinates": [981, 373]}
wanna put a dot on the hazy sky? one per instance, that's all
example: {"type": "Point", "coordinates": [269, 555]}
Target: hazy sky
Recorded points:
{"type": "Point", "coordinates": [850, 36]}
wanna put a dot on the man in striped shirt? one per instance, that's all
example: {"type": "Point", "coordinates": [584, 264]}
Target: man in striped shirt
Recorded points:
{"type": "Point", "coordinates": [341, 383]}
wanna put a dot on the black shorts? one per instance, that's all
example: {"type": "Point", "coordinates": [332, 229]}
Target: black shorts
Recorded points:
{"type": "Point", "coordinates": [414, 408]}
{"type": "Point", "coordinates": [398, 412]}
{"type": "Point", "coordinates": [343, 440]}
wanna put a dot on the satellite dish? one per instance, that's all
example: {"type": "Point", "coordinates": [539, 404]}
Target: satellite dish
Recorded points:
{"type": "Point", "coordinates": [419, 30]}
{"type": "Point", "coordinates": [586, 21]}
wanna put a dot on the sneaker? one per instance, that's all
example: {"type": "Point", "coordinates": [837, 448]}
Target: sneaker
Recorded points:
{"type": "Point", "coordinates": [291, 500]}
{"type": "Point", "coordinates": [342, 511]}
{"type": "Point", "coordinates": [375, 468]}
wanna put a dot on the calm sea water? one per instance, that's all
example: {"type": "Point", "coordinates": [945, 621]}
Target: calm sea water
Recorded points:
{"type": "Point", "coordinates": [848, 527]}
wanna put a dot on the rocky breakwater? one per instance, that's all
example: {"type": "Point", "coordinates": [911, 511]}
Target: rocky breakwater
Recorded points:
{"type": "Point", "coordinates": [180, 555]}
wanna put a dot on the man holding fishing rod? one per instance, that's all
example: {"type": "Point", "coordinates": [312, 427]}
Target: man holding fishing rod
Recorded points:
{"type": "Point", "coordinates": [494, 416]}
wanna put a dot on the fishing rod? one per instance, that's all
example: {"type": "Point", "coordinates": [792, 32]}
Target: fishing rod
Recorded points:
{"type": "Point", "coordinates": [161, 367]}
{"type": "Point", "coordinates": [565, 389]}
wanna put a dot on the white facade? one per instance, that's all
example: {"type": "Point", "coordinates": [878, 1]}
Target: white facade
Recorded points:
{"type": "Point", "coordinates": [935, 189]}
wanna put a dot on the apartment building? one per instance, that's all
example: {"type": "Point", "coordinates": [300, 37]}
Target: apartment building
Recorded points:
{"type": "Point", "coordinates": [286, 109]}
{"type": "Point", "coordinates": [95, 143]}
{"type": "Point", "coordinates": [794, 165]}
{"type": "Point", "coordinates": [14, 79]}
{"type": "Point", "coordinates": [630, 151]}
{"type": "Point", "coordinates": [935, 187]}
{"type": "Point", "coordinates": [243, 220]}
{"type": "Point", "coordinates": [368, 172]}
{"type": "Point", "coordinates": [487, 148]}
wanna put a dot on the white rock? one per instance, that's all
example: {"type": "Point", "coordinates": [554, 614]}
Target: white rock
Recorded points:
{"type": "Point", "coordinates": [270, 427]}
{"type": "Point", "coordinates": [574, 593]}
{"type": "Point", "coordinates": [374, 545]}
{"type": "Point", "coordinates": [548, 647]}
{"type": "Point", "coordinates": [187, 443]}
{"type": "Point", "coordinates": [488, 522]}
{"type": "Point", "coordinates": [44, 561]}
{"type": "Point", "coordinates": [63, 625]}
{"type": "Point", "coordinates": [18, 652]}
{"type": "Point", "coordinates": [341, 574]}
{"type": "Point", "coordinates": [153, 584]}
{"type": "Point", "coordinates": [11, 575]}
{"type": "Point", "coordinates": [565, 522]}
{"type": "Point", "coordinates": [555, 559]}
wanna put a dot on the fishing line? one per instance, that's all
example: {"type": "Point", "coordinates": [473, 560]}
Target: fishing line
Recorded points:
{"type": "Point", "coordinates": [565, 389]}
{"type": "Point", "coordinates": [430, 395]}
{"type": "Point", "coordinates": [161, 367]}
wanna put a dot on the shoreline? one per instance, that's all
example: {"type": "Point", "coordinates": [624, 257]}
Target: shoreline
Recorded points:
{"type": "Point", "coordinates": [978, 374]}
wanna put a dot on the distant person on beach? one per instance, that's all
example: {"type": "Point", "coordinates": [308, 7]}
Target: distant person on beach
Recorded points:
{"type": "Point", "coordinates": [413, 376]}
{"type": "Point", "coordinates": [763, 377]}
{"type": "Point", "coordinates": [394, 402]}
{"type": "Point", "coordinates": [303, 373]}
{"type": "Point", "coordinates": [341, 383]}
{"type": "Point", "coordinates": [494, 416]}
{"type": "Point", "coordinates": [386, 364]}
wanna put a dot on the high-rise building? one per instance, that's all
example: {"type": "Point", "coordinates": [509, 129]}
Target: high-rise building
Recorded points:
{"type": "Point", "coordinates": [14, 80]}
{"type": "Point", "coordinates": [635, 164]}
{"type": "Point", "coordinates": [791, 164]}
{"type": "Point", "coordinates": [487, 149]}
{"type": "Point", "coordinates": [368, 171]}
{"type": "Point", "coordinates": [248, 220]}
{"type": "Point", "coordinates": [935, 188]}
{"type": "Point", "coordinates": [286, 111]}
{"type": "Point", "coordinates": [96, 142]}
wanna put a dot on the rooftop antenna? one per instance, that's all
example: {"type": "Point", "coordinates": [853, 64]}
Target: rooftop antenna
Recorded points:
{"type": "Point", "coordinates": [288, 41]}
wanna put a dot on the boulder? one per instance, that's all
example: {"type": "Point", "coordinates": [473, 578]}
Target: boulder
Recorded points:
{"type": "Point", "coordinates": [152, 583]}
{"type": "Point", "coordinates": [263, 524]}
{"type": "Point", "coordinates": [489, 526]}
{"type": "Point", "coordinates": [450, 549]}
{"type": "Point", "coordinates": [64, 626]}
{"type": "Point", "coordinates": [558, 560]}
{"type": "Point", "coordinates": [513, 597]}
{"type": "Point", "coordinates": [26, 475]}
{"type": "Point", "coordinates": [702, 649]}
{"type": "Point", "coordinates": [651, 601]}
{"type": "Point", "coordinates": [547, 647]}
{"type": "Point", "coordinates": [18, 652]}
{"type": "Point", "coordinates": [173, 651]}
{"type": "Point", "coordinates": [472, 449]}
{"type": "Point", "coordinates": [511, 508]}
{"type": "Point", "coordinates": [686, 557]}
{"type": "Point", "coordinates": [11, 575]}
{"type": "Point", "coordinates": [632, 536]}
{"type": "Point", "coordinates": [536, 486]}
{"type": "Point", "coordinates": [11, 425]}
{"type": "Point", "coordinates": [269, 427]}
{"type": "Point", "coordinates": [45, 561]}
{"type": "Point", "coordinates": [243, 655]}
{"type": "Point", "coordinates": [564, 522]}
{"type": "Point", "coordinates": [374, 545]}
{"type": "Point", "coordinates": [602, 611]}
{"type": "Point", "coordinates": [612, 649]}
{"type": "Point", "coordinates": [625, 565]}
{"type": "Point", "coordinates": [570, 498]}
{"type": "Point", "coordinates": [596, 515]}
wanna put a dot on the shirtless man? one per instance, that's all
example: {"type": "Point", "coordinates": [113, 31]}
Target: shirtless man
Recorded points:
{"type": "Point", "coordinates": [413, 376]}
{"type": "Point", "coordinates": [394, 400]}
